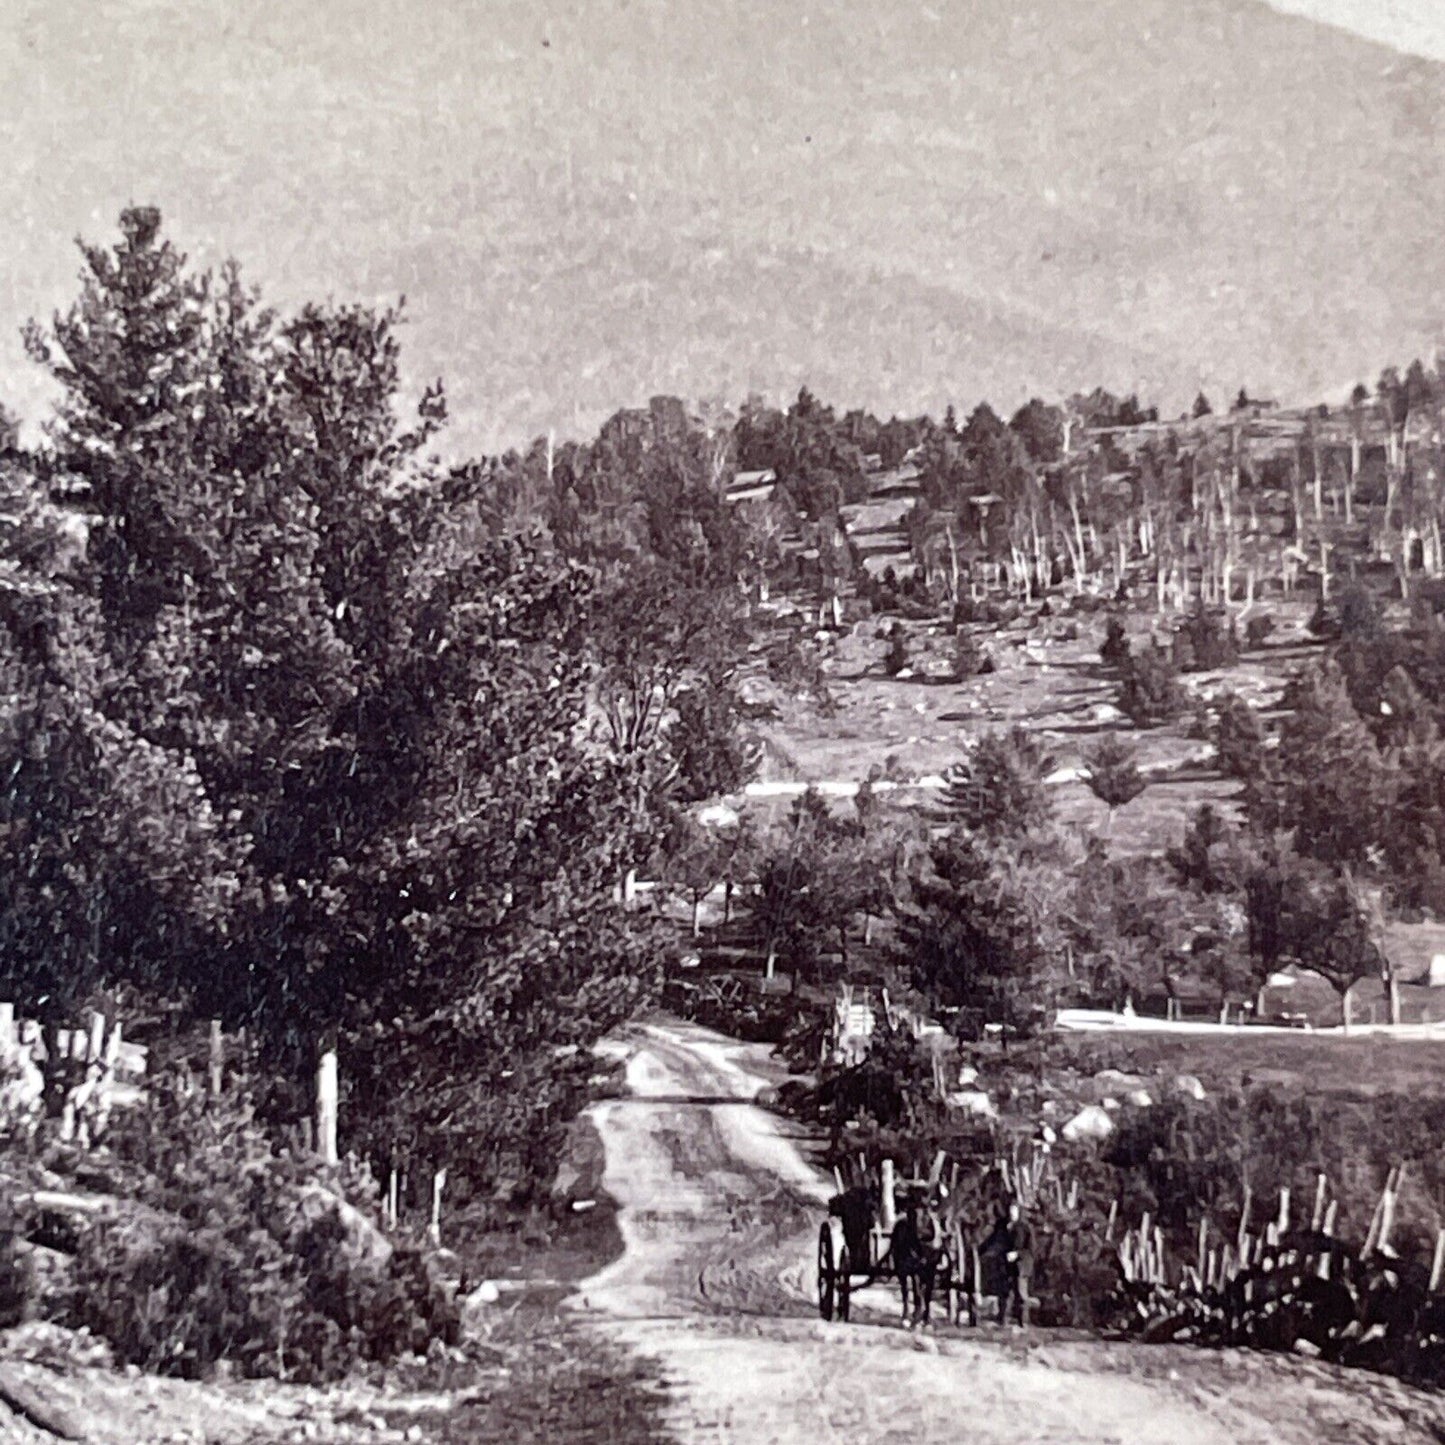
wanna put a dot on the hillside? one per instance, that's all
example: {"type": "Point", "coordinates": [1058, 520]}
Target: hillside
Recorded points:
{"type": "Point", "coordinates": [591, 203]}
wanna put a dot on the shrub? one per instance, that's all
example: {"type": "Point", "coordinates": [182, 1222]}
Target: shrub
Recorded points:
{"type": "Point", "coordinates": [969, 609]}
{"type": "Point", "coordinates": [1359, 612]}
{"type": "Point", "coordinates": [896, 658]}
{"type": "Point", "coordinates": [1239, 738]}
{"type": "Point", "coordinates": [712, 754]}
{"type": "Point", "coordinates": [1258, 629]}
{"type": "Point", "coordinates": [1204, 643]}
{"type": "Point", "coordinates": [15, 1280]}
{"type": "Point", "coordinates": [1149, 692]}
{"type": "Point", "coordinates": [1114, 777]}
{"type": "Point", "coordinates": [998, 788]}
{"type": "Point", "coordinates": [1115, 647]}
{"type": "Point", "coordinates": [1353, 613]}
{"type": "Point", "coordinates": [793, 666]}
{"type": "Point", "coordinates": [226, 1249]}
{"type": "Point", "coordinates": [970, 657]}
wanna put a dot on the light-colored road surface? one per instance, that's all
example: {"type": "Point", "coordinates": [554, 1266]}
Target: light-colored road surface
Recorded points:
{"type": "Point", "coordinates": [719, 1218]}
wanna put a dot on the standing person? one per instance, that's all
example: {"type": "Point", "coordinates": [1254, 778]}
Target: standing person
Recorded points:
{"type": "Point", "coordinates": [856, 1208]}
{"type": "Point", "coordinates": [1008, 1255]}
{"type": "Point", "coordinates": [1019, 1257]}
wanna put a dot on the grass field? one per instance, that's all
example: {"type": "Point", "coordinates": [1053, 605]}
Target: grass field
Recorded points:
{"type": "Point", "coordinates": [917, 727]}
{"type": "Point", "coordinates": [1362, 1066]}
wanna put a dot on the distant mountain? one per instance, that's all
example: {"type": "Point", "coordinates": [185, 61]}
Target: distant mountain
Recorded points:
{"type": "Point", "coordinates": [591, 202]}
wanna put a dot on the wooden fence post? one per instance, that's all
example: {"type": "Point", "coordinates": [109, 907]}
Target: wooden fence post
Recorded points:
{"type": "Point", "coordinates": [218, 1057]}
{"type": "Point", "coordinates": [326, 1108]}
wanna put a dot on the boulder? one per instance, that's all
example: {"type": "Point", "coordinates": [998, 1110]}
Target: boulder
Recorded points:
{"type": "Point", "coordinates": [718, 815]}
{"type": "Point", "coordinates": [973, 1101]}
{"type": "Point", "coordinates": [1090, 1122]}
{"type": "Point", "coordinates": [476, 1304]}
{"type": "Point", "coordinates": [363, 1242]}
{"type": "Point", "coordinates": [568, 1177]}
{"type": "Point", "coordinates": [1111, 1081]}
{"type": "Point", "coordinates": [1139, 1098]}
{"type": "Point", "coordinates": [1188, 1085]}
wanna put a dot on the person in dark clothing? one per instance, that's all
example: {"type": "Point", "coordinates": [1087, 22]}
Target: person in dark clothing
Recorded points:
{"type": "Point", "coordinates": [855, 1208]}
{"type": "Point", "coordinates": [1011, 1247]}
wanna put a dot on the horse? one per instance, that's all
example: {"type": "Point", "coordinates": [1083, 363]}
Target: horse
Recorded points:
{"type": "Point", "coordinates": [917, 1245]}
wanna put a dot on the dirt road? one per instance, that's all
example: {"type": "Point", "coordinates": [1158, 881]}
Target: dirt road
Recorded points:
{"type": "Point", "coordinates": [719, 1218]}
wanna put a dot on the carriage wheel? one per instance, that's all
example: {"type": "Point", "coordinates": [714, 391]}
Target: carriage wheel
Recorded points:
{"type": "Point", "coordinates": [827, 1275]}
{"type": "Point", "coordinates": [845, 1283]}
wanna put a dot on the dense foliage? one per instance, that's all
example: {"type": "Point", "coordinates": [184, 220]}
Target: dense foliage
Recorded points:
{"type": "Point", "coordinates": [293, 732]}
{"type": "Point", "coordinates": [224, 1249]}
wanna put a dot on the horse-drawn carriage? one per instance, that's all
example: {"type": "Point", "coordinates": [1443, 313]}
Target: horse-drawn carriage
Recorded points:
{"type": "Point", "coordinates": [913, 1233]}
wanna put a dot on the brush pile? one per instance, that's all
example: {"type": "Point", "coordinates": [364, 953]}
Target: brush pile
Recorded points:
{"type": "Point", "coordinates": [1293, 1288]}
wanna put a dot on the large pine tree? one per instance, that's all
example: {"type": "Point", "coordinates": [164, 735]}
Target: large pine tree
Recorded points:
{"type": "Point", "coordinates": [296, 740]}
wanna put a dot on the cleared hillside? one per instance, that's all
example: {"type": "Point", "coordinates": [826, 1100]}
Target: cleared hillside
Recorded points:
{"type": "Point", "coordinates": [592, 202]}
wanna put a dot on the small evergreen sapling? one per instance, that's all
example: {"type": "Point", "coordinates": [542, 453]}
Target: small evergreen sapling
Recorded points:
{"type": "Point", "coordinates": [1114, 776]}
{"type": "Point", "coordinates": [896, 658]}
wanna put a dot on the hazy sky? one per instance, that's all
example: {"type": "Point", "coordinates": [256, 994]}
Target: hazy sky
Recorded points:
{"type": "Point", "coordinates": [589, 202]}
{"type": "Point", "coordinates": [1414, 25]}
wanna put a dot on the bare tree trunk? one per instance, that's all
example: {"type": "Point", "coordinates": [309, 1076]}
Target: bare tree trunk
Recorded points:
{"type": "Point", "coordinates": [1296, 496]}
{"type": "Point", "coordinates": [1078, 532]}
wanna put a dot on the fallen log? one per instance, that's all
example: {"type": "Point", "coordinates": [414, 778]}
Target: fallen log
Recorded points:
{"type": "Point", "coordinates": [30, 1404]}
{"type": "Point", "coordinates": [63, 1203]}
